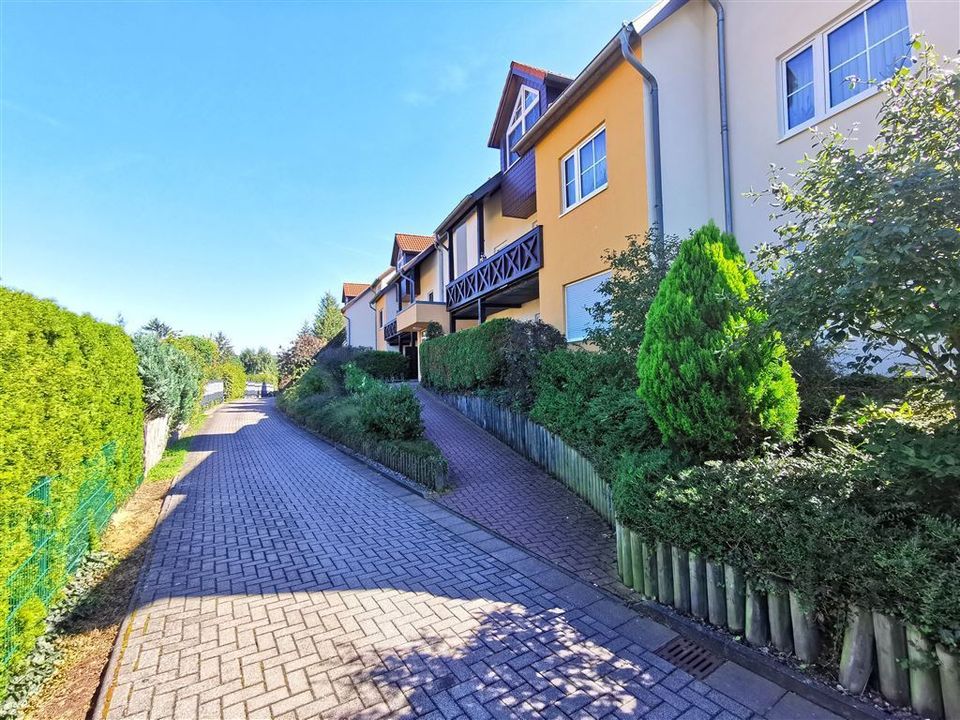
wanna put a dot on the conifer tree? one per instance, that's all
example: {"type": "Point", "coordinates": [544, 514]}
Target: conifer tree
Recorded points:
{"type": "Point", "coordinates": [713, 374]}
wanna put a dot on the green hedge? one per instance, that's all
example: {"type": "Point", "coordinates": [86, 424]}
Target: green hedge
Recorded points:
{"type": "Point", "coordinates": [234, 379]}
{"type": "Point", "coordinates": [71, 443]}
{"type": "Point", "coordinates": [340, 401]}
{"type": "Point", "coordinates": [590, 400]}
{"type": "Point", "coordinates": [382, 364]}
{"type": "Point", "coordinates": [499, 356]}
{"type": "Point", "coordinates": [839, 526]}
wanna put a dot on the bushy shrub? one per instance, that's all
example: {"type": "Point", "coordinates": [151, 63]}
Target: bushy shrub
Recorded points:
{"type": "Point", "coordinates": [382, 364]}
{"type": "Point", "coordinates": [391, 413]}
{"type": "Point", "coordinates": [828, 523]}
{"type": "Point", "coordinates": [295, 360]}
{"type": "Point", "coordinates": [72, 412]}
{"type": "Point", "coordinates": [714, 378]}
{"type": "Point", "coordinates": [590, 400]}
{"type": "Point", "coordinates": [234, 379]}
{"type": "Point", "coordinates": [171, 380]}
{"type": "Point", "coordinates": [465, 360]}
{"type": "Point", "coordinates": [203, 351]}
{"type": "Point", "coordinates": [434, 330]}
{"type": "Point", "coordinates": [500, 355]}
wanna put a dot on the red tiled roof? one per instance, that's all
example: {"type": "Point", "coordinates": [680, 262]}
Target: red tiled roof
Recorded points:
{"type": "Point", "coordinates": [351, 290]}
{"type": "Point", "coordinates": [412, 243]}
{"type": "Point", "coordinates": [535, 71]}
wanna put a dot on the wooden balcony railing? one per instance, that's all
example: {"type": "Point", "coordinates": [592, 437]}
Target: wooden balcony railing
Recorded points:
{"type": "Point", "coordinates": [390, 330]}
{"type": "Point", "coordinates": [519, 259]}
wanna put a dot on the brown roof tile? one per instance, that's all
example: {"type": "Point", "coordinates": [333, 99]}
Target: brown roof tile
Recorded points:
{"type": "Point", "coordinates": [352, 290]}
{"type": "Point", "coordinates": [412, 243]}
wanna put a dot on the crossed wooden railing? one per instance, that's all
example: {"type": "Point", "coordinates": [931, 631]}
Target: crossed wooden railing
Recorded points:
{"type": "Point", "coordinates": [519, 259]}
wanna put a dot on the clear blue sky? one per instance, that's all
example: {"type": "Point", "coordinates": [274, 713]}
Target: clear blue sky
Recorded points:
{"type": "Point", "coordinates": [221, 165]}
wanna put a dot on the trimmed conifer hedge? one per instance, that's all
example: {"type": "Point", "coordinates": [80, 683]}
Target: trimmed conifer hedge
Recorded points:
{"type": "Point", "coordinates": [71, 450]}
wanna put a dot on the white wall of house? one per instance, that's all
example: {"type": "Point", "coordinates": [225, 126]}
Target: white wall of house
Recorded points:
{"type": "Point", "coordinates": [361, 322]}
{"type": "Point", "coordinates": [681, 51]}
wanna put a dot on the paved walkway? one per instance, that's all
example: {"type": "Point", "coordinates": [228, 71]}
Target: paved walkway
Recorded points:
{"type": "Point", "coordinates": [504, 491]}
{"type": "Point", "coordinates": [289, 581]}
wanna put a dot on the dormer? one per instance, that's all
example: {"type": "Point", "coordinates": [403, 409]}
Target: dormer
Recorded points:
{"type": "Point", "coordinates": [527, 93]}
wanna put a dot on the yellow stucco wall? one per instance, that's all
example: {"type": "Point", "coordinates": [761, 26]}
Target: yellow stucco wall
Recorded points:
{"type": "Point", "coordinates": [500, 230]}
{"type": "Point", "coordinates": [574, 242]}
{"type": "Point", "coordinates": [381, 305]}
{"type": "Point", "coordinates": [527, 311]}
{"type": "Point", "coordinates": [429, 277]}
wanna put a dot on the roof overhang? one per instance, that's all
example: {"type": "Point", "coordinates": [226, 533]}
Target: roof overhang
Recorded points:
{"type": "Point", "coordinates": [488, 188]}
{"type": "Point", "coordinates": [608, 58]}
{"type": "Point", "coordinates": [356, 299]}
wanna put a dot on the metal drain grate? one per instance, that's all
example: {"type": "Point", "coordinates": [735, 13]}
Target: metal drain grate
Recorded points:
{"type": "Point", "coordinates": [690, 657]}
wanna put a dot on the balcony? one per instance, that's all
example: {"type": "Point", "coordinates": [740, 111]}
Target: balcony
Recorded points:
{"type": "Point", "coordinates": [392, 335]}
{"type": "Point", "coordinates": [420, 314]}
{"type": "Point", "coordinates": [506, 279]}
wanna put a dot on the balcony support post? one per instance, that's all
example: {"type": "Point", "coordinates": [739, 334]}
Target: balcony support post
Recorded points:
{"type": "Point", "coordinates": [481, 313]}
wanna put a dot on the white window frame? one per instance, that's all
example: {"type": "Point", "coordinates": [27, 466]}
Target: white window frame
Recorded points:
{"type": "Point", "coordinates": [566, 319]}
{"type": "Point", "coordinates": [822, 109]}
{"type": "Point", "coordinates": [522, 120]}
{"type": "Point", "coordinates": [575, 153]}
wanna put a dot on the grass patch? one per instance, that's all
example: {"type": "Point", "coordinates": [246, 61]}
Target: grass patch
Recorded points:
{"type": "Point", "coordinates": [171, 461]}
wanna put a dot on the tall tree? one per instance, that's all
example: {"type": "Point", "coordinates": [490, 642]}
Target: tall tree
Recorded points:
{"type": "Point", "coordinates": [159, 328]}
{"type": "Point", "coordinates": [328, 320]}
{"type": "Point", "coordinates": [224, 346]}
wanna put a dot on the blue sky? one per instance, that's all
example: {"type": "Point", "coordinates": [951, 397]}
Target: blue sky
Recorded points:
{"type": "Point", "coordinates": [221, 165]}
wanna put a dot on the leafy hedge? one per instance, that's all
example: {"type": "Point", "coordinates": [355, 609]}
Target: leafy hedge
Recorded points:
{"type": "Point", "coordinates": [500, 355]}
{"type": "Point", "coordinates": [171, 380]}
{"type": "Point", "coordinates": [589, 399]}
{"type": "Point", "coordinates": [234, 379]}
{"type": "Point", "coordinates": [71, 443]}
{"type": "Point", "coordinates": [829, 523]}
{"type": "Point", "coordinates": [382, 364]}
{"type": "Point", "coordinates": [338, 400]}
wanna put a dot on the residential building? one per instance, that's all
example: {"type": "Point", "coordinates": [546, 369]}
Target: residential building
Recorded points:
{"type": "Point", "coordinates": [530, 243]}
{"type": "Point", "coordinates": [361, 322]}
{"type": "Point", "coordinates": [415, 285]}
{"type": "Point", "coordinates": [787, 65]}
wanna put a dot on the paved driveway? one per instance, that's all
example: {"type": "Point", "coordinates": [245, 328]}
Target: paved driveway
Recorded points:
{"type": "Point", "coordinates": [287, 580]}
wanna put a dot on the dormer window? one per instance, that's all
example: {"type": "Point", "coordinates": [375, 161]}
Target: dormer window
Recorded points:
{"type": "Point", "coordinates": [525, 114]}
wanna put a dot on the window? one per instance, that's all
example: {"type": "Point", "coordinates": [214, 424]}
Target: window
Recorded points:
{"type": "Point", "coordinates": [430, 296]}
{"type": "Point", "coordinates": [381, 318]}
{"type": "Point", "coordinates": [585, 170]}
{"type": "Point", "coordinates": [800, 88]}
{"type": "Point", "coordinates": [525, 113]}
{"type": "Point", "coordinates": [869, 46]}
{"type": "Point", "coordinates": [579, 297]}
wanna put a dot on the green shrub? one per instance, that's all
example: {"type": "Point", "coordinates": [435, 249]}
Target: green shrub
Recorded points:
{"type": "Point", "coordinates": [391, 413]}
{"type": "Point", "coordinates": [72, 413]}
{"type": "Point", "coordinates": [357, 381]}
{"type": "Point", "coordinates": [171, 380]}
{"type": "Point", "coordinates": [715, 380]}
{"type": "Point", "coordinates": [589, 399]}
{"type": "Point", "coordinates": [234, 379]}
{"type": "Point", "coordinates": [830, 524]}
{"type": "Point", "coordinates": [500, 355]}
{"type": "Point", "coordinates": [383, 364]}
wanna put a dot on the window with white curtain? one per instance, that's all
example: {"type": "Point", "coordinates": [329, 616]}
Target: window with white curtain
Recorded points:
{"type": "Point", "coordinates": [585, 169]}
{"type": "Point", "coordinates": [838, 65]}
{"type": "Point", "coordinates": [578, 298]}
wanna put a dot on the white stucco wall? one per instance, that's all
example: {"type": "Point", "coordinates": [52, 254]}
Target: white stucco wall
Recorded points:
{"type": "Point", "coordinates": [361, 322]}
{"type": "Point", "coordinates": [681, 52]}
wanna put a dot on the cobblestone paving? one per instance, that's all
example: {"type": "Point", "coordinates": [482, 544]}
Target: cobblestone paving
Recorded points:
{"type": "Point", "coordinates": [289, 581]}
{"type": "Point", "coordinates": [502, 490]}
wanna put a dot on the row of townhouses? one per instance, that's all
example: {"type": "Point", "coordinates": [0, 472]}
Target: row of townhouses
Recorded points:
{"type": "Point", "coordinates": [681, 113]}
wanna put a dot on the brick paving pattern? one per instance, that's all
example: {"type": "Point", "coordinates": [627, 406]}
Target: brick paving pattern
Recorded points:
{"type": "Point", "coordinates": [502, 490]}
{"type": "Point", "coordinates": [287, 580]}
